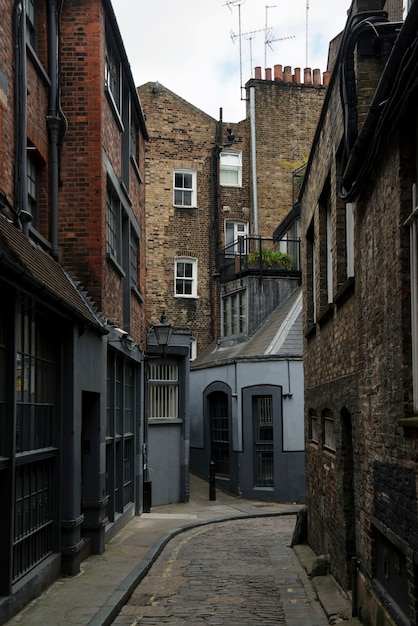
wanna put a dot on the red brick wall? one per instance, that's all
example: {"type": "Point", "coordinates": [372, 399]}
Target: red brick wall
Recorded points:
{"type": "Point", "coordinates": [82, 195]}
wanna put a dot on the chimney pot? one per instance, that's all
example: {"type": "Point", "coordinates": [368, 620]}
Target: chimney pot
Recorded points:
{"type": "Point", "coordinates": [287, 72]}
{"type": "Point", "coordinates": [317, 77]}
{"type": "Point", "coordinates": [268, 73]}
{"type": "Point", "coordinates": [257, 72]}
{"type": "Point", "coordinates": [278, 72]}
{"type": "Point", "coordinates": [307, 76]}
{"type": "Point", "coordinates": [296, 77]}
{"type": "Point", "coordinates": [325, 78]}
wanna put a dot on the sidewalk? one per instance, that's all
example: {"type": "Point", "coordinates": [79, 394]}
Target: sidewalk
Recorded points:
{"type": "Point", "coordinates": [95, 596]}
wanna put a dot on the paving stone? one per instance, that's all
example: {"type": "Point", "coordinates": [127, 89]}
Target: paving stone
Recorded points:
{"type": "Point", "coordinates": [239, 572]}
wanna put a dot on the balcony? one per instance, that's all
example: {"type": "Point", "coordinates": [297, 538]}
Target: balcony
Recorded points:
{"type": "Point", "coordinates": [260, 257]}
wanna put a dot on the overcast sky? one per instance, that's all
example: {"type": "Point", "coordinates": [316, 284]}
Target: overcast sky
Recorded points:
{"type": "Point", "coordinates": [192, 46]}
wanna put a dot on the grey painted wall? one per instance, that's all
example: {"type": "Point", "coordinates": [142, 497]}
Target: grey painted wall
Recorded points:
{"type": "Point", "coordinates": [285, 374]}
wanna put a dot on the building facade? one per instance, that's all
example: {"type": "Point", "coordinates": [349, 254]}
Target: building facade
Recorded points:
{"type": "Point", "coordinates": [211, 183]}
{"type": "Point", "coordinates": [359, 268]}
{"type": "Point", "coordinates": [72, 273]}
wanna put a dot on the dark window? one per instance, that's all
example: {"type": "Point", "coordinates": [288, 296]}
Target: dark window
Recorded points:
{"type": "Point", "coordinates": [33, 191]}
{"type": "Point", "coordinates": [119, 434]}
{"type": "Point", "coordinates": [31, 23]}
{"type": "Point", "coordinates": [3, 444]}
{"type": "Point", "coordinates": [263, 441]}
{"type": "Point", "coordinates": [113, 224]}
{"type": "Point", "coordinates": [133, 259]}
{"type": "Point", "coordinates": [36, 383]}
{"type": "Point", "coordinates": [219, 432]}
{"type": "Point", "coordinates": [112, 75]}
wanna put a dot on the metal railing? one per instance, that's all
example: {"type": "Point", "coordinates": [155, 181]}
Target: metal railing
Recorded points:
{"type": "Point", "coordinates": [258, 255]}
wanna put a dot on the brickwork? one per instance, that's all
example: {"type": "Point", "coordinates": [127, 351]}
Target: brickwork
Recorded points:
{"type": "Point", "coordinates": [286, 115]}
{"type": "Point", "coordinates": [94, 128]}
{"type": "Point", "coordinates": [7, 132]}
{"type": "Point", "coordinates": [357, 354]}
{"type": "Point", "coordinates": [181, 136]}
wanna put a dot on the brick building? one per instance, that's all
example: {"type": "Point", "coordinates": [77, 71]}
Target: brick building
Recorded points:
{"type": "Point", "coordinates": [360, 316]}
{"type": "Point", "coordinates": [210, 183]}
{"type": "Point", "coordinates": [72, 275]}
{"type": "Point", "coordinates": [215, 193]}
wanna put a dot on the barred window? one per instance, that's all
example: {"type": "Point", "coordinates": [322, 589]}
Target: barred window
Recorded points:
{"type": "Point", "coordinates": [163, 390]}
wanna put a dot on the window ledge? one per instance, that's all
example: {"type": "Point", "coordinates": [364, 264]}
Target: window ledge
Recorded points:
{"type": "Point", "coordinates": [135, 168]}
{"type": "Point", "coordinates": [137, 294]}
{"type": "Point", "coordinates": [345, 290]}
{"type": "Point", "coordinates": [115, 109]}
{"type": "Point", "coordinates": [164, 421]}
{"type": "Point", "coordinates": [113, 261]}
{"type": "Point", "coordinates": [185, 208]}
{"type": "Point", "coordinates": [180, 295]}
{"type": "Point", "coordinates": [326, 314]}
{"type": "Point", "coordinates": [311, 332]}
{"type": "Point", "coordinates": [409, 422]}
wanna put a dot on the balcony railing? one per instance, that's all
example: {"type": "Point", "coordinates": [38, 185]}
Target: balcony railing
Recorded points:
{"type": "Point", "coordinates": [257, 255]}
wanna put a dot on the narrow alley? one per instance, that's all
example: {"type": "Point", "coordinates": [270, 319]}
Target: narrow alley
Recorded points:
{"type": "Point", "coordinates": [234, 572]}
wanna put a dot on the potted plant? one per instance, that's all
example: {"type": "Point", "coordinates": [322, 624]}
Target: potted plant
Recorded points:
{"type": "Point", "coordinates": [270, 259]}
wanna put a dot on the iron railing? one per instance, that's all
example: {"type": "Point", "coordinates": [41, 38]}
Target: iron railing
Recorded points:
{"type": "Point", "coordinates": [258, 255]}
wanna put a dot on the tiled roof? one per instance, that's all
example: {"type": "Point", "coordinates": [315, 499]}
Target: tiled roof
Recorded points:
{"type": "Point", "coordinates": [32, 265]}
{"type": "Point", "coordinates": [280, 335]}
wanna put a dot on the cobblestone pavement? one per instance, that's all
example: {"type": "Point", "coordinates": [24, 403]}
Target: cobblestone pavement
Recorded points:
{"type": "Point", "coordinates": [235, 572]}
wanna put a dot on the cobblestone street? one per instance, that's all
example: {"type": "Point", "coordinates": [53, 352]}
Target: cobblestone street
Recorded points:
{"type": "Point", "coordinates": [236, 572]}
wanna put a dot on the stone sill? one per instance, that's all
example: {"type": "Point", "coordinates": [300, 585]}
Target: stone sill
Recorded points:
{"type": "Point", "coordinates": [409, 422]}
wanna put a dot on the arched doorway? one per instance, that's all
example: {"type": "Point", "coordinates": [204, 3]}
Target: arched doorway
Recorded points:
{"type": "Point", "coordinates": [219, 432]}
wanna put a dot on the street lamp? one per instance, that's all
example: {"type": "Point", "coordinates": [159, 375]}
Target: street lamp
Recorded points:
{"type": "Point", "coordinates": [163, 332]}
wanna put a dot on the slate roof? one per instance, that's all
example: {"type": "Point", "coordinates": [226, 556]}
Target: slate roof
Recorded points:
{"type": "Point", "coordinates": [32, 266]}
{"type": "Point", "coordinates": [280, 336]}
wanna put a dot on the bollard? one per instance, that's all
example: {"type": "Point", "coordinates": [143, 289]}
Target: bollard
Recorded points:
{"type": "Point", "coordinates": [212, 485]}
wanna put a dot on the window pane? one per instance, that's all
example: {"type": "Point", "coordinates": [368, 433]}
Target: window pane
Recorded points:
{"type": "Point", "coordinates": [263, 441]}
{"type": "Point", "coordinates": [163, 391]}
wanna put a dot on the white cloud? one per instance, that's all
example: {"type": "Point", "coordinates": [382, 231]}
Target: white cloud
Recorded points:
{"type": "Point", "coordinates": [187, 46]}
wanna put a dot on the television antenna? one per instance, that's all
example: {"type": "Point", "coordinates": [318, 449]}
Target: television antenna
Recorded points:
{"type": "Point", "coordinates": [269, 37]}
{"type": "Point", "coordinates": [307, 12]}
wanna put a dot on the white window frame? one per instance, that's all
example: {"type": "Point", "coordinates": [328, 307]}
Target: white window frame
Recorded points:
{"type": "Point", "coordinates": [113, 76]}
{"type": "Point", "coordinates": [230, 168]}
{"type": "Point", "coordinates": [349, 238]}
{"type": "Point", "coordinates": [185, 278]}
{"type": "Point", "coordinates": [330, 287]}
{"type": "Point", "coordinates": [183, 191]}
{"type": "Point", "coordinates": [236, 233]}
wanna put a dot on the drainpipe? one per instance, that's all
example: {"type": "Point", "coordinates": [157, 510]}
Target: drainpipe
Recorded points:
{"type": "Point", "coordinates": [254, 159]}
{"type": "Point", "coordinates": [354, 602]}
{"type": "Point", "coordinates": [54, 120]}
{"type": "Point", "coordinates": [21, 170]}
